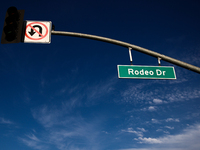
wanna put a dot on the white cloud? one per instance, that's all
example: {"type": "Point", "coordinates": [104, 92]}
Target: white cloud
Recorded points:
{"type": "Point", "coordinates": [139, 131]}
{"type": "Point", "coordinates": [148, 140]}
{"type": "Point", "coordinates": [64, 130]}
{"type": "Point", "coordinates": [187, 140]}
{"type": "Point", "coordinates": [136, 93]}
{"type": "Point", "coordinates": [183, 94]}
{"type": "Point", "coordinates": [157, 101]}
{"type": "Point", "coordinates": [33, 137]}
{"type": "Point", "coordinates": [154, 120]}
{"type": "Point", "coordinates": [152, 108]}
{"type": "Point", "coordinates": [143, 109]}
{"type": "Point", "coordinates": [166, 132]}
{"type": "Point", "coordinates": [142, 129]}
{"type": "Point", "coordinates": [130, 130]}
{"type": "Point", "coordinates": [172, 120]}
{"type": "Point", "coordinates": [159, 130]}
{"type": "Point", "coordinates": [34, 142]}
{"type": "Point", "coordinates": [105, 132]}
{"type": "Point", "coordinates": [47, 117]}
{"type": "Point", "coordinates": [168, 127]}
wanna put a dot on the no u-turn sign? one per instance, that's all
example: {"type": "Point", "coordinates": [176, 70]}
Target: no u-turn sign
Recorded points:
{"type": "Point", "coordinates": [38, 32]}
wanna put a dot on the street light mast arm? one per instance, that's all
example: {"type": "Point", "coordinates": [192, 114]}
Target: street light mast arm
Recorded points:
{"type": "Point", "coordinates": [134, 47]}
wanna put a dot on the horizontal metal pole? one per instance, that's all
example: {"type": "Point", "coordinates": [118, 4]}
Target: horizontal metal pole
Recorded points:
{"type": "Point", "coordinates": [134, 47]}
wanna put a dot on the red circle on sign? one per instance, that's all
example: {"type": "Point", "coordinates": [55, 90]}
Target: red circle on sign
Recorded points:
{"type": "Point", "coordinates": [43, 36]}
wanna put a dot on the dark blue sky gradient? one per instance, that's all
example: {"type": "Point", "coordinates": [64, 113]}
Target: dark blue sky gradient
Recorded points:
{"type": "Point", "coordinates": [67, 96]}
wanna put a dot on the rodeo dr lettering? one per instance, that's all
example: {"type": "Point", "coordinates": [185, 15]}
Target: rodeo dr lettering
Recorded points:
{"type": "Point", "coordinates": [143, 72]}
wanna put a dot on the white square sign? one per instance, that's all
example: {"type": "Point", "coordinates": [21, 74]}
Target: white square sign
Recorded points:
{"type": "Point", "coordinates": [38, 32]}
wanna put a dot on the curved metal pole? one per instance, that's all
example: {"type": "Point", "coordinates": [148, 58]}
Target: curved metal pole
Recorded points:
{"type": "Point", "coordinates": [134, 47]}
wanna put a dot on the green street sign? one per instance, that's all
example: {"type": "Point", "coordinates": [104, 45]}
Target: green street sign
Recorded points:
{"type": "Point", "coordinates": [146, 72]}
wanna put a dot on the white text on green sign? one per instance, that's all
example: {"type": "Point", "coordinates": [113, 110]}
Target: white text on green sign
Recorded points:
{"type": "Point", "coordinates": [146, 72]}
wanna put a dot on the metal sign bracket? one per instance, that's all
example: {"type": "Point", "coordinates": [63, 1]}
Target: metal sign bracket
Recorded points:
{"type": "Point", "coordinates": [130, 55]}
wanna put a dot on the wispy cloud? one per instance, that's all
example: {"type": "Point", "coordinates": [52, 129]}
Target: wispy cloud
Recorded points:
{"type": "Point", "coordinates": [65, 126]}
{"type": "Point", "coordinates": [172, 120]}
{"type": "Point", "coordinates": [188, 139]}
{"type": "Point", "coordinates": [5, 121]}
{"type": "Point", "coordinates": [99, 90]}
{"type": "Point", "coordinates": [193, 53]}
{"type": "Point", "coordinates": [148, 140]}
{"type": "Point", "coordinates": [156, 95]}
{"type": "Point", "coordinates": [159, 101]}
{"type": "Point", "coordinates": [135, 93]}
{"type": "Point", "coordinates": [142, 129]}
{"type": "Point", "coordinates": [64, 130]}
{"type": "Point", "coordinates": [183, 94]}
{"type": "Point", "coordinates": [150, 108]}
{"type": "Point", "coordinates": [32, 141]}
{"type": "Point", "coordinates": [168, 127]}
{"type": "Point", "coordinates": [155, 121]}
{"type": "Point", "coordinates": [138, 133]}
{"type": "Point", "coordinates": [33, 137]}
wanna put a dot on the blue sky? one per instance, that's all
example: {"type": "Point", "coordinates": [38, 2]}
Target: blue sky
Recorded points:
{"type": "Point", "coordinates": [67, 96]}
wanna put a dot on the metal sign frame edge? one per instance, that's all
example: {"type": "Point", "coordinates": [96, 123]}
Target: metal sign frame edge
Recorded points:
{"type": "Point", "coordinates": [146, 77]}
{"type": "Point", "coordinates": [50, 27]}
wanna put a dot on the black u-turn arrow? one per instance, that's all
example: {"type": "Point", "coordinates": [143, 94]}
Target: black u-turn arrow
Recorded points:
{"type": "Point", "coordinates": [32, 32]}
